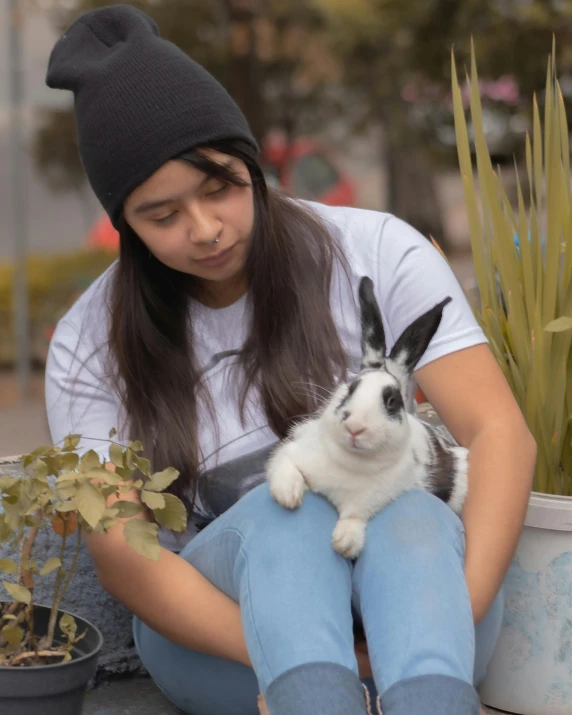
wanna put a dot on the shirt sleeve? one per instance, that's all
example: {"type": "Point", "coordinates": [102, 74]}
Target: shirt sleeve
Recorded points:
{"type": "Point", "coordinates": [79, 399]}
{"type": "Point", "coordinates": [412, 278]}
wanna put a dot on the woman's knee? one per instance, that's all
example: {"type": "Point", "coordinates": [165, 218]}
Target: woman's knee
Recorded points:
{"type": "Point", "coordinates": [416, 521]}
{"type": "Point", "coordinates": [264, 519]}
{"type": "Point", "coordinates": [189, 678]}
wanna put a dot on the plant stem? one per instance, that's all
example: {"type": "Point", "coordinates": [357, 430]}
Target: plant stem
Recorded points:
{"type": "Point", "coordinates": [58, 595]}
{"type": "Point", "coordinates": [73, 564]}
{"type": "Point", "coordinates": [26, 577]}
{"type": "Point", "coordinates": [41, 653]}
{"type": "Point", "coordinates": [48, 639]}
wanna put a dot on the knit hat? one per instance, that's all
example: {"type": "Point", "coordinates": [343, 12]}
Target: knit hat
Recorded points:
{"type": "Point", "coordinates": [139, 100]}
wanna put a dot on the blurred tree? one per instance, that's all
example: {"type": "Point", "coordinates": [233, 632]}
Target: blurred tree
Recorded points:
{"type": "Point", "coordinates": [55, 150]}
{"type": "Point", "coordinates": [389, 45]}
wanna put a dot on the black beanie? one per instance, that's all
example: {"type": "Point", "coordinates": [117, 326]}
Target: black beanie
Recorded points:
{"type": "Point", "coordinates": [139, 100]}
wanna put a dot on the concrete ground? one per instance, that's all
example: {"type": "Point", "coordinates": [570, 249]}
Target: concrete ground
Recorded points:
{"type": "Point", "coordinates": [139, 696]}
{"type": "Point", "coordinates": [130, 696]}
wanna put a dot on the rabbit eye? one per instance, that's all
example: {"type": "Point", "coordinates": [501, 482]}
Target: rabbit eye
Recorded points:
{"type": "Point", "coordinates": [393, 401]}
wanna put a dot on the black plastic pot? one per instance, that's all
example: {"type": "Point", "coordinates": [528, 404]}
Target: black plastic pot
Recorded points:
{"type": "Point", "coordinates": [51, 689]}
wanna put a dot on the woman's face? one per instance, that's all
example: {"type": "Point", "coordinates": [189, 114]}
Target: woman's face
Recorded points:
{"type": "Point", "coordinates": [179, 212]}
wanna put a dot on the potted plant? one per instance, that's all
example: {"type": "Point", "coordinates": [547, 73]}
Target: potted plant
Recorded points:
{"type": "Point", "coordinates": [47, 656]}
{"type": "Point", "coordinates": [525, 308]}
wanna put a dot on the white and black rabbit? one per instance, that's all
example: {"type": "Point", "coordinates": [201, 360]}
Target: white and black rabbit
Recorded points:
{"type": "Point", "coordinates": [363, 449]}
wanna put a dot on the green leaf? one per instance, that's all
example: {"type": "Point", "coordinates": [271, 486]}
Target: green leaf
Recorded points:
{"type": "Point", "coordinates": [66, 506]}
{"type": "Point", "coordinates": [67, 477]}
{"type": "Point", "coordinates": [29, 458]}
{"type": "Point", "coordinates": [18, 593]}
{"type": "Point", "coordinates": [153, 499]}
{"type": "Point", "coordinates": [559, 325]}
{"type": "Point", "coordinates": [129, 459]}
{"type": "Point", "coordinates": [14, 635]}
{"type": "Point", "coordinates": [136, 446]}
{"type": "Point", "coordinates": [90, 460]}
{"type": "Point", "coordinates": [81, 635]}
{"type": "Point", "coordinates": [112, 433]}
{"type": "Point", "coordinates": [50, 565]}
{"type": "Point", "coordinates": [127, 509]}
{"type": "Point", "coordinates": [70, 461]}
{"type": "Point", "coordinates": [71, 442]}
{"type": "Point", "coordinates": [66, 490]}
{"type": "Point", "coordinates": [41, 470]}
{"type": "Point", "coordinates": [142, 537]}
{"type": "Point", "coordinates": [125, 473]}
{"type": "Point", "coordinates": [8, 566]}
{"type": "Point", "coordinates": [116, 454]}
{"type": "Point", "coordinates": [105, 476]}
{"type": "Point", "coordinates": [161, 480]}
{"type": "Point", "coordinates": [7, 483]}
{"type": "Point", "coordinates": [142, 464]}
{"type": "Point", "coordinates": [174, 515]}
{"type": "Point", "coordinates": [90, 503]}
{"type": "Point", "coordinates": [68, 626]}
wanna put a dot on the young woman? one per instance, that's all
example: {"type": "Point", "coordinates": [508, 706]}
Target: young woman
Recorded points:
{"type": "Point", "coordinates": [228, 304]}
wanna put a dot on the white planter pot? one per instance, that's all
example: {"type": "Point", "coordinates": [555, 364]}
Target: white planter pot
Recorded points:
{"type": "Point", "coordinates": [531, 669]}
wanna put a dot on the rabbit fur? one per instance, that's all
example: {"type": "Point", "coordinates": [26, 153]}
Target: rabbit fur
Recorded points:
{"type": "Point", "coordinates": [363, 449]}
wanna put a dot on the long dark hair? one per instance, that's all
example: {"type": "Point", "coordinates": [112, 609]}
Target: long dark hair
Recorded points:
{"type": "Point", "coordinates": [292, 340]}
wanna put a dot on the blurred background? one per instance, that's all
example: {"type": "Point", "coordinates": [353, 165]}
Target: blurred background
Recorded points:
{"type": "Point", "coordinates": [349, 99]}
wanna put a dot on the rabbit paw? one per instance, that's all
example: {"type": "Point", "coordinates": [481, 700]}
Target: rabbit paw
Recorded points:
{"type": "Point", "coordinates": [348, 537]}
{"type": "Point", "coordinates": [287, 485]}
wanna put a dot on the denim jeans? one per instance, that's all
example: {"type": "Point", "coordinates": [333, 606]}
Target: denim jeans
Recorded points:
{"type": "Point", "coordinates": [297, 595]}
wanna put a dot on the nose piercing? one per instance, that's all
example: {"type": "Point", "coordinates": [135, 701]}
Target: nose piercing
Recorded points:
{"type": "Point", "coordinates": [214, 243]}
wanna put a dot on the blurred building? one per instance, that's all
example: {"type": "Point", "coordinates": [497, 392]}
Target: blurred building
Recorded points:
{"type": "Point", "coordinates": [57, 222]}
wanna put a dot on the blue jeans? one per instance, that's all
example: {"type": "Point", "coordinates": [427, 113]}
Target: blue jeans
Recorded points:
{"type": "Point", "coordinates": [296, 597]}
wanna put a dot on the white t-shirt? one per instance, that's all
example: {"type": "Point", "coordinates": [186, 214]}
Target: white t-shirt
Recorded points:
{"type": "Point", "coordinates": [409, 276]}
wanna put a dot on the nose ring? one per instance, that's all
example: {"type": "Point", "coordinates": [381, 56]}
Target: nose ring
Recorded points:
{"type": "Point", "coordinates": [214, 243]}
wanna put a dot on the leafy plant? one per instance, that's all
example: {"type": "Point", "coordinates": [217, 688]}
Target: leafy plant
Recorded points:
{"type": "Point", "coordinates": [62, 491]}
{"type": "Point", "coordinates": [525, 285]}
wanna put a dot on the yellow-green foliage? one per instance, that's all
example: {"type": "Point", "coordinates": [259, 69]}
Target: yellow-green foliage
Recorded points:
{"type": "Point", "coordinates": [525, 305]}
{"type": "Point", "coordinates": [75, 499]}
{"type": "Point", "coordinates": [54, 282]}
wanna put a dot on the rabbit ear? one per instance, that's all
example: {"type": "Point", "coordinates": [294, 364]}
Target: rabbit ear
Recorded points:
{"type": "Point", "coordinates": [415, 339]}
{"type": "Point", "coordinates": [372, 333]}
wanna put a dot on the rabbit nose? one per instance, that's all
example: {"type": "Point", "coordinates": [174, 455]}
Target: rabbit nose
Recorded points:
{"type": "Point", "coordinates": [354, 432]}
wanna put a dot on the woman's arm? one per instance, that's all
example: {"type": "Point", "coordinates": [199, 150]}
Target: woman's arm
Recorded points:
{"type": "Point", "coordinates": [169, 595]}
{"type": "Point", "coordinates": [470, 394]}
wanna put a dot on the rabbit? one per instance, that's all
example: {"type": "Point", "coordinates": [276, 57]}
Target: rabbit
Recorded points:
{"type": "Point", "coordinates": [363, 449]}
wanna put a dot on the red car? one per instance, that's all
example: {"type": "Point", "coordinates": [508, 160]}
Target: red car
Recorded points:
{"type": "Point", "coordinates": [307, 170]}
